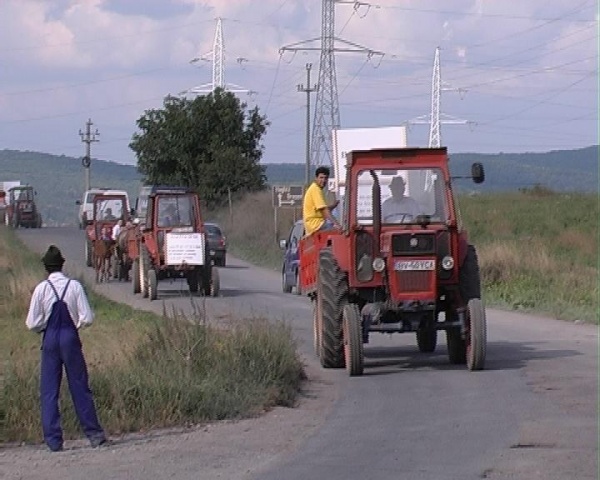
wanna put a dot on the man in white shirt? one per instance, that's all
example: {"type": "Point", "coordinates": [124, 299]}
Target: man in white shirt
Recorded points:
{"type": "Point", "coordinates": [399, 208]}
{"type": "Point", "coordinates": [117, 229]}
{"type": "Point", "coordinates": [58, 309]}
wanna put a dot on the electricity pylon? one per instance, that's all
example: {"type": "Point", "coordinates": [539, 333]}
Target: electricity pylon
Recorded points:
{"type": "Point", "coordinates": [218, 68]}
{"type": "Point", "coordinates": [327, 110]}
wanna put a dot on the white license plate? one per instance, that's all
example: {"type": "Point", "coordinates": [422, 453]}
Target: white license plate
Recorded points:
{"type": "Point", "coordinates": [402, 265]}
{"type": "Point", "coordinates": [212, 252]}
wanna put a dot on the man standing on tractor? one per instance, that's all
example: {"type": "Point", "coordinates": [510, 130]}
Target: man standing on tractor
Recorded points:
{"type": "Point", "coordinates": [315, 211]}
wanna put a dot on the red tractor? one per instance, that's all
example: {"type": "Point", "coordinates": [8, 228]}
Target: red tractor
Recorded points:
{"type": "Point", "coordinates": [171, 243]}
{"type": "Point", "coordinates": [21, 210]}
{"type": "Point", "coordinates": [401, 259]}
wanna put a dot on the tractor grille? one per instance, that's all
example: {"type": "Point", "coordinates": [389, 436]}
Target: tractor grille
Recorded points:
{"type": "Point", "coordinates": [413, 281]}
{"type": "Point", "coordinates": [411, 244]}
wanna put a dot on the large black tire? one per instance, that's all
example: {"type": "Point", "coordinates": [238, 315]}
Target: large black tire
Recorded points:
{"type": "Point", "coordinates": [353, 342]}
{"type": "Point", "coordinates": [427, 339]}
{"type": "Point", "coordinates": [152, 284]}
{"type": "Point", "coordinates": [135, 275]}
{"type": "Point", "coordinates": [476, 342]}
{"type": "Point", "coordinates": [334, 295]}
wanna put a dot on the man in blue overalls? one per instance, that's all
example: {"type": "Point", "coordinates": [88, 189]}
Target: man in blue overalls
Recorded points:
{"type": "Point", "coordinates": [59, 308]}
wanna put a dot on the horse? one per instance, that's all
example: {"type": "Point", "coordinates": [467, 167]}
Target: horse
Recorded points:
{"type": "Point", "coordinates": [122, 256]}
{"type": "Point", "coordinates": [103, 251]}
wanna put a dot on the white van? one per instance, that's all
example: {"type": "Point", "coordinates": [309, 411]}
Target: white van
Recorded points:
{"type": "Point", "coordinates": [86, 204]}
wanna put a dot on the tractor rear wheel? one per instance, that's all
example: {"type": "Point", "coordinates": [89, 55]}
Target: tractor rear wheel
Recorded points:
{"type": "Point", "coordinates": [426, 339]}
{"type": "Point", "coordinates": [476, 342]}
{"type": "Point", "coordinates": [353, 341]}
{"type": "Point", "coordinates": [333, 290]}
{"type": "Point", "coordinates": [297, 287]}
{"type": "Point", "coordinates": [135, 275]}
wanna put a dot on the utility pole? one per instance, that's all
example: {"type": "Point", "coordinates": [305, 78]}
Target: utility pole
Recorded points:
{"type": "Point", "coordinates": [308, 90]}
{"type": "Point", "coordinates": [88, 137]}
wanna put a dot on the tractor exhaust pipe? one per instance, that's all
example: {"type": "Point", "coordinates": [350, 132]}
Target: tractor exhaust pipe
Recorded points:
{"type": "Point", "coordinates": [376, 209]}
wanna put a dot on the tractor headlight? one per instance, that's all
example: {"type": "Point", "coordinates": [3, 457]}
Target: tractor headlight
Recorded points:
{"type": "Point", "coordinates": [448, 262]}
{"type": "Point", "coordinates": [378, 264]}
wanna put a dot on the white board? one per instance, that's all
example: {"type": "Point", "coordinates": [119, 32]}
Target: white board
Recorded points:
{"type": "Point", "coordinates": [185, 248]}
{"type": "Point", "coordinates": [348, 139]}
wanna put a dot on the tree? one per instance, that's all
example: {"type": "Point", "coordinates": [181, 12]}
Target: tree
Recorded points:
{"type": "Point", "coordinates": [211, 144]}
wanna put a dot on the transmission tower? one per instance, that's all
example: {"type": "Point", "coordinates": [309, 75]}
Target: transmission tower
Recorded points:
{"type": "Point", "coordinates": [327, 110]}
{"type": "Point", "coordinates": [218, 68]}
{"type": "Point", "coordinates": [436, 118]}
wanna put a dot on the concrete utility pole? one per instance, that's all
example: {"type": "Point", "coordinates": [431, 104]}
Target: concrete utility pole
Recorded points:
{"type": "Point", "coordinates": [88, 137]}
{"type": "Point", "coordinates": [308, 90]}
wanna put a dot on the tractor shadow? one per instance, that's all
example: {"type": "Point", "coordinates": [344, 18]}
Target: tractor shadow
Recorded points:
{"type": "Point", "coordinates": [499, 356]}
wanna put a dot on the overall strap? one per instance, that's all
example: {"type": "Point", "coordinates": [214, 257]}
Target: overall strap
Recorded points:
{"type": "Point", "coordinates": [54, 290]}
{"type": "Point", "coordinates": [65, 290]}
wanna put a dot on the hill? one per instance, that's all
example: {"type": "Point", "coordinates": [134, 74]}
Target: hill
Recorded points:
{"type": "Point", "coordinates": [59, 180]}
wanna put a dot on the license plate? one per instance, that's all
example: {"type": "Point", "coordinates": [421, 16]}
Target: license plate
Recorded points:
{"type": "Point", "coordinates": [402, 265]}
{"type": "Point", "coordinates": [212, 252]}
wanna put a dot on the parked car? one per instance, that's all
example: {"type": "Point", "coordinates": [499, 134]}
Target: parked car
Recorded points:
{"type": "Point", "coordinates": [289, 270]}
{"type": "Point", "coordinates": [217, 244]}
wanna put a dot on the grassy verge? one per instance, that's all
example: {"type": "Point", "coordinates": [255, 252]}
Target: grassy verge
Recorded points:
{"type": "Point", "coordinates": [146, 371]}
{"type": "Point", "coordinates": [538, 250]}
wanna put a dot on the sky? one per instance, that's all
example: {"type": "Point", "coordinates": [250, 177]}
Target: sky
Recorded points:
{"type": "Point", "coordinates": [517, 76]}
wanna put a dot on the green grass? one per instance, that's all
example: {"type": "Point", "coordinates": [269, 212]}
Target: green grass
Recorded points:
{"type": "Point", "coordinates": [146, 371]}
{"type": "Point", "coordinates": [538, 250]}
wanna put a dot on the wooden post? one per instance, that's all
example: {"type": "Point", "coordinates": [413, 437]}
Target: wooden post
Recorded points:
{"type": "Point", "coordinates": [275, 224]}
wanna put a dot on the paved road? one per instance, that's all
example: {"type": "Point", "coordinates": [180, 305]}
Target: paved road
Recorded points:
{"type": "Point", "coordinates": [532, 414]}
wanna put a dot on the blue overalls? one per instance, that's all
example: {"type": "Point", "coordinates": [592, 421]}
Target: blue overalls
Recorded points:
{"type": "Point", "coordinates": [61, 346]}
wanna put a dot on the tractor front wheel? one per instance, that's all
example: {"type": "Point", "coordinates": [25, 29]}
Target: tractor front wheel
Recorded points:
{"type": "Point", "coordinates": [353, 344]}
{"type": "Point", "coordinates": [476, 342]}
{"type": "Point", "coordinates": [152, 284]}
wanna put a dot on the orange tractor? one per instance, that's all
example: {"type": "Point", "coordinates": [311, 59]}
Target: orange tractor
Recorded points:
{"type": "Point", "coordinates": [171, 243]}
{"type": "Point", "coordinates": [400, 260]}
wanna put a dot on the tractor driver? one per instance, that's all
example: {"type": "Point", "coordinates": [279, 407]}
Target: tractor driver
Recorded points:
{"type": "Point", "coordinates": [315, 211]}
{"type": "Point", "coordinates": [399, 208]}
{"type": "Point", "coordinates": [108, 215]}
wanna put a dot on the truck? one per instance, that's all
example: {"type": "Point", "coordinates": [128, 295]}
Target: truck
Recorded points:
{"type": "Point", "coordinates": [417, 273]}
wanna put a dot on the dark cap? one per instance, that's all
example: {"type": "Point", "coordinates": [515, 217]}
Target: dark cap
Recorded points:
{"type": "Point", "coordinates": [53, 257]}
